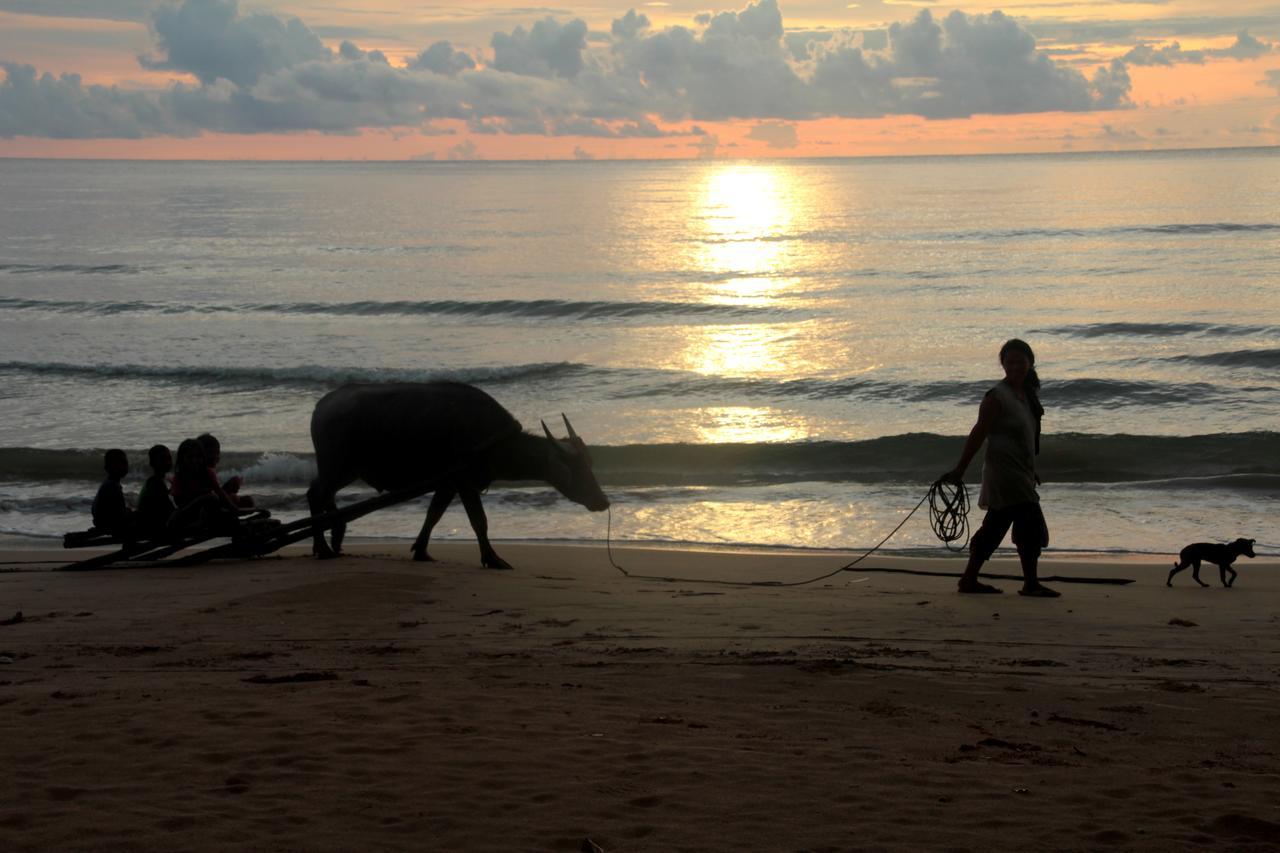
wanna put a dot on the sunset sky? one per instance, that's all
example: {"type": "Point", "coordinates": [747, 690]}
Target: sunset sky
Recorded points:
{"type": "Point", "coordinates": [393, 79]}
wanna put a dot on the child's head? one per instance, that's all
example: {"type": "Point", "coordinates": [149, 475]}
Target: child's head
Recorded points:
{"type": "Point", "coordinates": [212, 449]}
{"type": "Point", "coordinates": [160, 458]}
{"type": "Point", "coordinates": [190, 456]}
{"type": "Point", "coordinates": [115, 463]}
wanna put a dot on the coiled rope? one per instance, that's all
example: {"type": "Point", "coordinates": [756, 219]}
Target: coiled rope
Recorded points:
{"type": "Point", "coordinates": [948, 516]}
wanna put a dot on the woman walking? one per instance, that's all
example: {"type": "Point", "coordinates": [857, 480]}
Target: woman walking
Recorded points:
{"type": "Point", "coordinates": [1009, 423]}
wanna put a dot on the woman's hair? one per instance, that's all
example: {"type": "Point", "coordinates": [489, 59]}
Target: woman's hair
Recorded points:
{"type": "Point", "coordinates": [1032, 383]}
{"type": "Point", "coordinates": [189, 454]}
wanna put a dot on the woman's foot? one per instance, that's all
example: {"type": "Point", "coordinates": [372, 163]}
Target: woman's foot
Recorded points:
{"type": "Point", "coordinates": [1039, 591]}
{"type": "Point", "coordinates": [977, 588]}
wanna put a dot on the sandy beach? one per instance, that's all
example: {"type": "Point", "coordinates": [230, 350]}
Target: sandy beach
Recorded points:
{"type": "Point", "coordinates": [375, 703]}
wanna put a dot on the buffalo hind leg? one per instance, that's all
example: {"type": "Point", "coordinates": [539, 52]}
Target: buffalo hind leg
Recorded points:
{"type": "Point", "coordinates": [439, 503]}
{"type": "Point", "coordinates": [480, 524]}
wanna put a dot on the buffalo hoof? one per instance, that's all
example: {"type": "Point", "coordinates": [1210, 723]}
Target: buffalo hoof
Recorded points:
{"type": "Point", "coordinates": [327, 554]}
{"type": "Point", "coordinates": [423, 557]}
{"type": "Point", "coordinates": [496, 562]}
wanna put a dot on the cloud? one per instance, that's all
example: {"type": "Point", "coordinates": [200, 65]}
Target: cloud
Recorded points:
{"type": "Point", "coordinates": [1245, 47]}
{"type": "Point", "coordinates": [1120, 134]}
{"type": "Point", "coordinates": [706, 146]}
{"type": "Point", "coordinates": [1272, 79]}
{"type": "Point", "coordinates": [1111, 86]}
{"type": "Point", "coordinates": [466, 150]}
{"type": "Point", "coordinates": [777, 134]}
{"type": "Point", "coordinates": [549, 49]}
{"type": "Point", "coordinates": [100, 10]}
{"type": "Point", "coordinates": [63, 108]}
{"type": "Point", "coordinates": [211, 40]}
{"type": "Point", "coordinates": [349, 51]}
{"type": "Point", "coordinates": [442, 59]}
{"type": "Point", "coordinates": [961, 66]}
{"type": "Point", "coordinates": [260, 73]}
{"type": "Point", "coordinates": [736, 68]}
{"type": "Point", "coordinates": [629, 25]}
{"type": "Point", "coordinates": [580, 153]}
{"type": "Point", "coordinates": [1170, 54]}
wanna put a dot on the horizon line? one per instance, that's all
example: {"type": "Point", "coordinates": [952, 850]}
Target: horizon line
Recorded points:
{"type": "Point", "coordinates": [588, 160]}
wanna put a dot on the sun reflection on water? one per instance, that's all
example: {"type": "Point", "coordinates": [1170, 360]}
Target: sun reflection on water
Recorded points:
{"type": "Point", "coordinates": [748, 424]}
{"type": "Point", "coordinates": [744, 220]}
{"type": "Point", "coordinates": [747, 213]}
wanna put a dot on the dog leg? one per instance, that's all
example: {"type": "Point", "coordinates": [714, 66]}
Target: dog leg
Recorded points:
{"type": "Point", "coordinates": [1227, 582]}
{"type": "Point", "coordinates": [1195, 573]}
{"type": "Point", "coordinates": [1177, 567]}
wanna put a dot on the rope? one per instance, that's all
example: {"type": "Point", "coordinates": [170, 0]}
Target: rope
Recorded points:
{"type": "Point", "coordinates": [948, 515]}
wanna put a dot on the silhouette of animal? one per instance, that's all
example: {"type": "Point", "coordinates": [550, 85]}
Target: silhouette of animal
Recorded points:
{"type": "Point", "coordinates": [393, 436]}
{"type": "Point", "coordinates": [1220, 555]}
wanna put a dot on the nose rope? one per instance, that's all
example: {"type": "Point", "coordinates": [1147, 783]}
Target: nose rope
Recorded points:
{"type": "Point", "coordinates": [948, 516]}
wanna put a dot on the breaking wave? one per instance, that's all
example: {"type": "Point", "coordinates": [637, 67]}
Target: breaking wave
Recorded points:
{"type": "Point", "coordinates": [1176, 229]}
{"type": "Point", "coordinates": [1160, 330]}
{"type": "Point", "coordinates": [308, 376]}
{"type": "Point", "coordinates": [517, 308]}
{"type": "Point", "coordinates": [639, 383]}
{"type": "Point", "coordinates": [78, 269]}
{"type": "Point", "coordinates": [1267, 359]}
{"type": "Point", "coordinates": [1248, 461]}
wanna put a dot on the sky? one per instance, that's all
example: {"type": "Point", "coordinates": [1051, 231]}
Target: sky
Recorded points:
{"type": "Point", "coordinates": [402, 80]}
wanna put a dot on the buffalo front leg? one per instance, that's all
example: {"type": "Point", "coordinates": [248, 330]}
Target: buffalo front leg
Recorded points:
{"type": "Point", "coordinates": [480, 524]}
{"type": "Point", "coordinates": [439, 503]}
{"type": "Point", "coordinates": [320, 499]}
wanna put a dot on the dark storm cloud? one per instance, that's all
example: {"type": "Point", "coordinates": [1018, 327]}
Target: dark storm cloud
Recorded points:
{"type": "Point", "coordinates": [264, 73]}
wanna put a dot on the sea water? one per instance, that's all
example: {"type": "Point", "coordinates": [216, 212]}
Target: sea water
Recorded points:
{"type": "Point", "coordinates": [758, 352]}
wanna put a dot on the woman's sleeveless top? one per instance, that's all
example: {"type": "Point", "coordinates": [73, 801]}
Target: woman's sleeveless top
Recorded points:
{"type": "Point", "coordinates": [1009, 467]}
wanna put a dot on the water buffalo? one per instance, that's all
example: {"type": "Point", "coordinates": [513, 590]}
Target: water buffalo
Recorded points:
{"type": "Point", "coordinates": [395, 435]}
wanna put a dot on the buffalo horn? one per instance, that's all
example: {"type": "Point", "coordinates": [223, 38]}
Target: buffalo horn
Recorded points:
{"type": "Point", "coordinates": [555, 442]}
{"type": "Point", "coordinates": [573, 436]}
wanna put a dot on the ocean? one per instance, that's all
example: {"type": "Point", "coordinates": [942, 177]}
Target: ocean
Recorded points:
{"type": "Point", "coordinates": [760, 353]}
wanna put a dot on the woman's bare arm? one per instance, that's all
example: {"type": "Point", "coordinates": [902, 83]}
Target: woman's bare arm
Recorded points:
{"type": "Point", "coordinates": [987, 414]}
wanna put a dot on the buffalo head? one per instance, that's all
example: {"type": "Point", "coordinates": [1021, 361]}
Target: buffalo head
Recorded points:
{"type": "Point", "coordinates": [569, 470]}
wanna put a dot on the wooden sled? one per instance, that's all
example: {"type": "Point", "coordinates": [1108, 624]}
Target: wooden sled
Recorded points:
{"type": "Point", "coordinates": [149, 549]}
{"type": "Point", "coordinates": [253, 535]}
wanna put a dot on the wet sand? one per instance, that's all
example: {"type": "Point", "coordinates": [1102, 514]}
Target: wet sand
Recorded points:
{"type": "Point", "coordinates": [375, 703]}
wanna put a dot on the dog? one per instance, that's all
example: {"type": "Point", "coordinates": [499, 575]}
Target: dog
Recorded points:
{"type": "Point", "coordinates": [1220, 555]}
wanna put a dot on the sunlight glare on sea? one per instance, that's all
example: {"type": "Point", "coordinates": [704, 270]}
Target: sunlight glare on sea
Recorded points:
{"type": "Point", "coordinates": [746, 212]}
